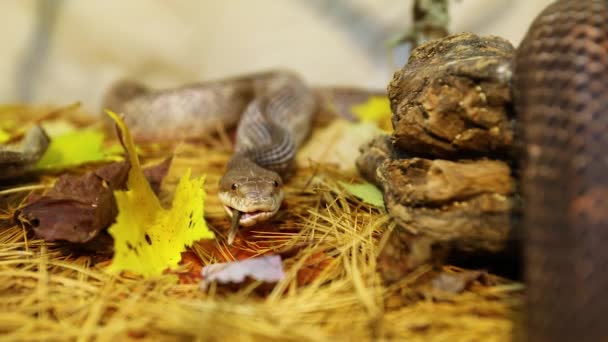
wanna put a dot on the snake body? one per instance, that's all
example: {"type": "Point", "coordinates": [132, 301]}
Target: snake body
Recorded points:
{"type": "Point", "coordinates": [271, 129]}
{"type": "Point", "coordinates": [274, 112]}
{"type": "Point", "coordinates": [561, 88]}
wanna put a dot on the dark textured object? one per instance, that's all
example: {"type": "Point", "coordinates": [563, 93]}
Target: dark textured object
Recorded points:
{"type": "Point", "coordinates": [481, 223]}
{"type": "Point", "coordinates": [465, 203]}
{"type": "Point", "coordinates": [79, 207]}
{"type": "Point", "coordinates": [419, 181]}
{"type": "Point", "coordinates": [373, 154]}
{"type": "Point", "coordinates": [16, 160]}
{"type": "Point", "coordinates": [453, 96]}
{"type": "Point", "coordinates": [402, 253]}
{"type": "Point", "coordinates": [438, 205]}
{"type": "Point", "coordinates": [156, 173]}
{"type": "Point", "coordinates": [561, 84]}
{"type": "Point", "coordinates": [444, 172]}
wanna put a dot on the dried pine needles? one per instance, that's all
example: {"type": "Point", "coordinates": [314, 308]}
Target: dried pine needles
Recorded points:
{"type": "Point", "coordinates": [329, 241]}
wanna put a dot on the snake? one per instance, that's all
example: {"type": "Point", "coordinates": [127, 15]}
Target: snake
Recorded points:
{"type": "Point", "coordinates": [560, 83]}
{"type": "Point", "coordinates": [273, 126]}
{"type": "Point", "coordinates": [273, 112]}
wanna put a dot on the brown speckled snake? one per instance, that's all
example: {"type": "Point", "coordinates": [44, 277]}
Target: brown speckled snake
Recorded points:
{"type": "Point", "coordinates": [274, 111]}
{"type": "Point", "coordinates": [272, 127]}
{"type": "Point", "coordinates": [561, 88]}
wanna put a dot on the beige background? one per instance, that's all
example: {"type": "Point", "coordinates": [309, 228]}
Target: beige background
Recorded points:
{"type": "Point", "coordinates": [167, 43]}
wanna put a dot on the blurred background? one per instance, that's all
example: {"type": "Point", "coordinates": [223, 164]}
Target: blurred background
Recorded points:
{"type": "Point", "coordinates": [61, 51]}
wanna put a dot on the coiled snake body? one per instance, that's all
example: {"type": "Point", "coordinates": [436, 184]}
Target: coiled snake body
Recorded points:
{"type": "Point", "coordinates": [561, 88]}
{"type": "Point", "coordinates": [274, 111]}
{"type": "Point", "coordinates": [273, 125]}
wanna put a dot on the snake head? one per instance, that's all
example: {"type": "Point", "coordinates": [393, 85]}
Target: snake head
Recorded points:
{"type": "Point", "coordinates": [256, 192]}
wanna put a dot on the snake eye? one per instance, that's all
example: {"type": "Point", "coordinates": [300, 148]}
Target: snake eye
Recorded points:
{"type": "Point", "coordinates": [276, 184]}
{"type": "Point", "coordinates": [234, 186]}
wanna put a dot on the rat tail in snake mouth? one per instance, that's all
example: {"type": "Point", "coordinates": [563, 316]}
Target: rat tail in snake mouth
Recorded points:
{"type": "Point", "coordinates": [561, 88]}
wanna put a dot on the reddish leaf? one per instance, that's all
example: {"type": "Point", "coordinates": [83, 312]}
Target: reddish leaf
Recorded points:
{"type": "Point", "coordinates": [315, 264]}
{"type": "Point", "coordinates": [155, 174]}
{"type": "Point", "coordinates": [78, 207]}
{"type": "Point", "coordinates": [193, 264]}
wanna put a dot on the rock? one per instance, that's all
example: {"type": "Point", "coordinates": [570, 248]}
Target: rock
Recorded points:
{"type": "Point", "coordinates": [453, 97]}
{"type": "Point", "coordinates": [372, 155]}
{"type": "Point", "coordinates": [426, 182]}
{"type": "Point", "coordinates": [445, 172]}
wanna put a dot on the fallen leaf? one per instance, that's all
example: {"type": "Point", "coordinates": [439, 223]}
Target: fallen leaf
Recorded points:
{"type": "Point", "coordinates": [313, 267]}
{"type": "Point", "coordinates": [267, 269]}
{"type": "Point", "coordinates": [117, 149]}
{"type": "Point", "coordinates": [4, 136]}
{"type": "Point", "coordinates": [148, 238]}
{"type": "Point", "coordinates": [73, 148]}
{"type": "Point", "coordinates": [78, 207]}
{"type": "Point", "coordinates": [155, 174]}
{"type": "Point", "coordinates": [337, 144]}
{"type": "Point", "coordinates": [191, 273]}
{"type": "Point", "coordinates": [376, 109]}
{"type": "Point", "coordinates": [367, 192]}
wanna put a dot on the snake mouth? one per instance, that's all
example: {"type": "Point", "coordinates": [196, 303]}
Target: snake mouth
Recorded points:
{"type": "Point", "coordinates": [249, 218]}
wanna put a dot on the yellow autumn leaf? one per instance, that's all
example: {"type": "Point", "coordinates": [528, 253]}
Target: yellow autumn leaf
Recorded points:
{"type": "Point", "coordinates": [117, 149]}
{"type": "Point", "coordinates": [4, 136]}
{"type": "Point", "coordinates": [74, 148]}
{"type": "Point", "coordinates": [376, 109]}
{"type": "Point", "coordinates": [148, 239]}
{"type": "Point", "coordinates": [71, 149]}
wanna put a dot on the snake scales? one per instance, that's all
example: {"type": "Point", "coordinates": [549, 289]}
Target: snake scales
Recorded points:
{"type": "Point", "coordinates": [274, 111]}
{"type": "Point", "coordinates": [561, 88]}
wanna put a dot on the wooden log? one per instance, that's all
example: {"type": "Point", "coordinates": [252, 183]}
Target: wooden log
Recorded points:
{"type": "Point", "coordinates": [468, 204]}
{"type": "Point", "coordinates": [439, 205]}
{"type": "Point", "coordinates": [425, 182]}
{"type": "Point", "coordinates": [453, 98]}
{"type": "Point", "coordinates": [482, 223]}
{"type": "Point", "coordinates": [441, 172]}
{"type": "Point", "coordinates": [372, 155]}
